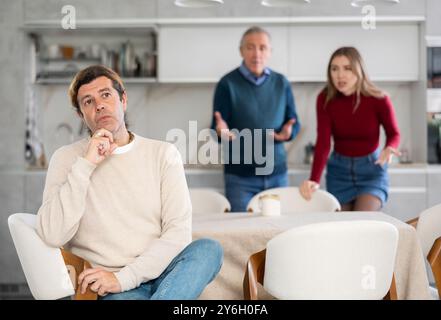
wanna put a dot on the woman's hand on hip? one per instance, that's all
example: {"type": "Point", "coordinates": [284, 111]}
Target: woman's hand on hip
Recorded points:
{"type": "Point", "coordinates": [386, 155]}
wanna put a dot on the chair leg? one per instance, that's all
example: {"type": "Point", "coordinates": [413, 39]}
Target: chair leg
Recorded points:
{"type": "Point", "coordinates": [254, 273]}
{"type": "Point", "coordinates": [75, 265]}
{"type": "Point", "coordinates": [392, 293]}
{"type": "Point", "coordinates": [413, 222]}
{"type": "Point", "coordinates": [434, 258]}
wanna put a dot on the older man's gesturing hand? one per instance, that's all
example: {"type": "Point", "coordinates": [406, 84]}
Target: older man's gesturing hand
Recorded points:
{"type": "Point", "coordinates": [222, 129]}
{"type": "Point", "coordinates": [285, 133]}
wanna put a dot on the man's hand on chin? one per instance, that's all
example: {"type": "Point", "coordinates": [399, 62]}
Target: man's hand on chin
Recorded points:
{"type": "Point", "coordinates": [101, 145]}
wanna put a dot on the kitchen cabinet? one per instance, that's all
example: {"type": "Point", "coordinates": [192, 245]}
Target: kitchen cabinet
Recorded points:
{"type": "Point", "coordinates": [433, 9]}
{"type": "Point", "coordinates": [200, 178]}
{"type": "Point", "coordinates": [405, 205]}
{"type": "Point", "coordinates": [390, 52]}
{"type": "Point", "coordinates": [407, 192]}
{"type": "Point", "coordinates": [204, 53]}
{"type": "Point", "coordinates": [434, 185]}
{"type": "Point", "coordinates": [297, 176]}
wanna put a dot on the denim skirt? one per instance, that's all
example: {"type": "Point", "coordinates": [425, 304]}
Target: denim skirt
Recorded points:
{"type": "Point", "coordinates": [349, 177]}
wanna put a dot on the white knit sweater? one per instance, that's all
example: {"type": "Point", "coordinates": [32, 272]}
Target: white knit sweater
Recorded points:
{"type": "Point", "coordinates": [131, 214]}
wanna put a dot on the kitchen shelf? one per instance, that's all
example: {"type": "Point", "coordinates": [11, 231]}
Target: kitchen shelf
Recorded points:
{"type": "Point", "coordinates": [95, 24]}
{"type": "Point", "coordinates": [62, 81]}
{"type": "Point", "coordinates": [132, 54]}
{"type": "Point", "coordinates": [155, 23]}
{"type": "Point", "coordinates": [47, 60]}
{"type": "Point", "coordinates": [287, 20]}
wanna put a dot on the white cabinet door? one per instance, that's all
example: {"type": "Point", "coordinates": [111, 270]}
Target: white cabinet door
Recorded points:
{"type": "Point", "coordinates": [434, 186]}
{"type": "Point", "coordinates": [405, 205]}
{"type": "Point", "coordinates": [390, 51]}
{"type": "Point", "coordinates": [407, 193]}
{"type": "Point", "coordinates": [205, 53]}
{"type": "Point", "coordinates": [433, 21]}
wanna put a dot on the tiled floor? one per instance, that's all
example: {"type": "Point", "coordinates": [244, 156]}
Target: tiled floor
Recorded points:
{"type": "Point", "coordinates": [22, 292]}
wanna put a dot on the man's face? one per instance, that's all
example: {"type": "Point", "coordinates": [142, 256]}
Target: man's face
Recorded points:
{"type": "Point", "coordinates": [255, 51]}
{"type": "Point", "coordinates": [101, 106]}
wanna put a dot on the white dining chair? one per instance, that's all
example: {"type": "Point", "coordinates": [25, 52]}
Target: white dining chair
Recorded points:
{"type": "Point", "coordinates": [332, 260]}
{"type": "Point", "coordinates": [428, 228]}
{"type": "Point", "coordinates": [291, 201]}
{"type": "Point", "coordinates": [51, 273]}
{"type": "Point", "coordinates": [208, 201]}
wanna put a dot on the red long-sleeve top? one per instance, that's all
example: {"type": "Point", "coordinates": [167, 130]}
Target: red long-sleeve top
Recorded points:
{"type": "Point", "coordinates": [355, 134]}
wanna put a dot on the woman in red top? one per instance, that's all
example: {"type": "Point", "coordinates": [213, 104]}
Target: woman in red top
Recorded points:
{"type": "Point", "coordinates": [351, 109]}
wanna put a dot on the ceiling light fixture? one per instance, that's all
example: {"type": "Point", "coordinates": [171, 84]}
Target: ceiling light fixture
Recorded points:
{"type": "Point", "coordinates": [282, 3]}
{"type": "Point", "coordinates": [360, 3]}
{"type": "Point", "coordinates": [198, 3]}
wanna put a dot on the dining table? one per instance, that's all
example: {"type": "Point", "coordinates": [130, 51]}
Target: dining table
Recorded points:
{"type": "Point", "coordinates": [242, 234]}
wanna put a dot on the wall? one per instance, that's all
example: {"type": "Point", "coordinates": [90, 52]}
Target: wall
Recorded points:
{"type": "Point", "coordinates": [155, 109]}
{"type": "Point", "coordinates": [11, 85]}
{"type": "Point", "coordinates": [12, 129]}
{"type": "Point", "coordinates": [102, 9]}
{"type": "Point", "coordinates": [433, 15]}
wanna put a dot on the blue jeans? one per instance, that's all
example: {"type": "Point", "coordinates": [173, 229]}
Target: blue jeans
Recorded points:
{"type": "Point", "coordinates": [239, 190]}
{"type": "Point", "coordinates": [185, 277]}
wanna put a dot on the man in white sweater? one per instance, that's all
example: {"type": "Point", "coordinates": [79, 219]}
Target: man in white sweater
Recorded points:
{"type": "Point", "coordinates": [121, 202]}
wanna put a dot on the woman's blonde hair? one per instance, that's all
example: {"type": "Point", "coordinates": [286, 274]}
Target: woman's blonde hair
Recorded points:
{"type": "Point", "coordinates": [364, 86]}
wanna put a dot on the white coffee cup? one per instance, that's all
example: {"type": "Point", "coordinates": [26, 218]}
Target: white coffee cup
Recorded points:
{"type": "Point", "coordinates": [269, 205]}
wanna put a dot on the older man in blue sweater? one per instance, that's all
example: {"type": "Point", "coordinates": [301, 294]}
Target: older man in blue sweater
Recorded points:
{"type": "Point", "coordinates": [254, 112]}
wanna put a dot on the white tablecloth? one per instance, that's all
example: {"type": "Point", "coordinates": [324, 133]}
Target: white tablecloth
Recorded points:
{"type": "Point", "coordinates": [242, 234]}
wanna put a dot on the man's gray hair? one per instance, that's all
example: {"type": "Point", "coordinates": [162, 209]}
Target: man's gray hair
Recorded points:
{"type": "Point", "coordinates": [254, 29]}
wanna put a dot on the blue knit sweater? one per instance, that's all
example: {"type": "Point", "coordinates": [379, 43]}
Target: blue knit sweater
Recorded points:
{"type": "Point", "coordinates": [244, 105]}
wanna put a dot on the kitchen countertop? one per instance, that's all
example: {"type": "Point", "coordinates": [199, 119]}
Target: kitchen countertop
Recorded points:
{"type": "Point", "coordinates": [304, 168]}
{"type": "Point", "coordinates": [292, 168]}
